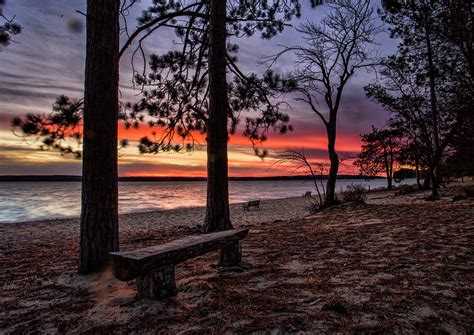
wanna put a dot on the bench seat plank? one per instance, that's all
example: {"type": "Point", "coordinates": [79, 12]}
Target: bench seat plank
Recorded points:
{"type": "Point", "coordinates": [128, 265]}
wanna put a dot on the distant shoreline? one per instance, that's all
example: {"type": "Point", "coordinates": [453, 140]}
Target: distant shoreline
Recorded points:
{"type": "Point", "coordinates": [69, 178]}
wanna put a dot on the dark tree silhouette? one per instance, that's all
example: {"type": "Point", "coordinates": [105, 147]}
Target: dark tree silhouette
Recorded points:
{"type": "Point", "coordinates": [177, 89]}
{"type": "Point", "coordinates": [217, 208]}
{"type": "Point", "coordinates": [98, 112]}
{"type": "Point", "coordinates": [411, 154]}
{"type": "Point", "coordinates": [400, 93]}
{"type": "Point", "coordinates": [176, 100]}
{"type": "Point", "coordinates": [457, 28]}
{"type": "Point", "coordinates": [379, 153]}
{"type": "Point", "coordinates": [57, 129]}
{"type": "Point", "coordinates": [333, 52]}
{"type": "Point", "coordinates": [99, 213]}
{"type": "Point", "coordinates": [422, 84]}
{"type": "Point", "coordinates": [195, 97]}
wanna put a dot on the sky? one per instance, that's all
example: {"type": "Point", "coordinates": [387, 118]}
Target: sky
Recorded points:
{"type": "Point", "coordinates": [47, 59]}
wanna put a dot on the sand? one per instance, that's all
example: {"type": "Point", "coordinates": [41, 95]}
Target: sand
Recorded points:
{"type": "Point", "coordinates": [397, 264]}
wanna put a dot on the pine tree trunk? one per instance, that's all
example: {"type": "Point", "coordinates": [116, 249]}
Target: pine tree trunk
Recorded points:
{"type": "Point", "coordinates": [434, 108]}
{"type": "Point", "coordinates": [427, 181]}
{"type": "Point", "coordinates": [417, 167]}
{"type": "Point", "coordinates": [388, 173]}
{"type": "Point", "coordinates": [217, 207]}
{"type": "Point", "coordinates": [433, 184]}
{"type": "Point", "coordinates": [99, 213]}
{"type": "Point", "coordinates": [417, 171]}
{"type": "Point", "coordinates": [334, 167]}
{"type": "Point", "coordinates": [389, 182]}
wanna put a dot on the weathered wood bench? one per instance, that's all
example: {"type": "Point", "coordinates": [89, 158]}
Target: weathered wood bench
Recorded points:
{"type": "Point", "coordinates": [154, 267]}
{"type": "Point", "coordinates": [251, 204]}
{"type": "Point", "coordinates": [307, 194]}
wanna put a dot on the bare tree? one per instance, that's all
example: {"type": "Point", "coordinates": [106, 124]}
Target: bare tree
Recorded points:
{"type": "Point", "coordinates": [333, 52]}
{"type": "Point", "coordinates": [304, 165]}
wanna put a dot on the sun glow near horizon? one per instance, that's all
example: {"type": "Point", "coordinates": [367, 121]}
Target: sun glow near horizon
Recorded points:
{"type": "Point", "coordinates": [242, 160]}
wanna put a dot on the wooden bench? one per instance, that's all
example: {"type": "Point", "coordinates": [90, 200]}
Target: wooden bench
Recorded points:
{"type": "Point", "coordinates": [251, 204]}
{"type": "Point", "coordinates": [154, 267]}
{"type": "Point", "coordinates": [307, 194]}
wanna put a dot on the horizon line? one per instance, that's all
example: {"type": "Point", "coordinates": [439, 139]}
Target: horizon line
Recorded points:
{"type": "Point", "coordinates": [44, 177]}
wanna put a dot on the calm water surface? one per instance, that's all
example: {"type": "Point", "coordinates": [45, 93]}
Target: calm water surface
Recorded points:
{"type": "Point", "coordinates": [25, 201]}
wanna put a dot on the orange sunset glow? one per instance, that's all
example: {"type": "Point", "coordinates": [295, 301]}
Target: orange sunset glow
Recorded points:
{"type": "Point", "coordinates": [242, 160]}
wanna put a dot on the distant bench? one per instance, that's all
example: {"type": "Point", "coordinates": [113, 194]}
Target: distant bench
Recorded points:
{"type": "Point", "coordinates": [154, 267]}
{"type": "Point", "coordinates": [251, 204]}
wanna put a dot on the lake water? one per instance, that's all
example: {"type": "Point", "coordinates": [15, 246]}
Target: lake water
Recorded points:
{"type": "Point", "coordinates": [25, 201]}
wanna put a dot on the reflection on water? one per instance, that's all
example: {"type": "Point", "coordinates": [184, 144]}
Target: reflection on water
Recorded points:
{"type": "Point", "coordinates": [24, 201]}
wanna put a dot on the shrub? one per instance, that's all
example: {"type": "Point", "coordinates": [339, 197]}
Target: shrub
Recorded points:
{"type": "Point", "coordinates": [314, 205]}
{"type": "Point", "coordinates": [355, 193]}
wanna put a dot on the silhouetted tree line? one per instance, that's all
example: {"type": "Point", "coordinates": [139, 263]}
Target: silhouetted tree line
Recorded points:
{"type": "Point", "coordinates": [427, 86]}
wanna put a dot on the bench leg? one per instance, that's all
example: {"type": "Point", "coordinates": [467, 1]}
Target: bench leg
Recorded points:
{"type": "Point", "coordinates": [157, 284]}
{"type": "Point", "coordinates": [231, 255]}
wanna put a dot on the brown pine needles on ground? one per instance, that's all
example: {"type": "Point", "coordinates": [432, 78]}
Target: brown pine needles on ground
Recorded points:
{"type": "Point", "coordinates": [400, 265]}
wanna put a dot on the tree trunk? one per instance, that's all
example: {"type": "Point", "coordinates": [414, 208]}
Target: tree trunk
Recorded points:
{"type": "Point", "coordinates": [433, 183]}
{"type": "Point", "coordinates": [434, 106]}
{"type": "Point", "coordinates": [217, 207]}
{"type": "Point", "coordinates": [334, 159]}
{"type": "Point", "coordinates": [417, 171]}
{"type": "Point", "coordinates": [427, 181]}
{"type": "Point", "coordinates": [388, 169]}
{"type": "Point", "coordinates": [439, 177]}
{"type": "Point", "coordinates": [99, 213]}
{"type": "Point", "coordinates": [390, 174]}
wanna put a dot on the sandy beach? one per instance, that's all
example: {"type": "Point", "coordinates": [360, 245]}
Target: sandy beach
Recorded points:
{"type": "Point", "coordinates": [352, 268]}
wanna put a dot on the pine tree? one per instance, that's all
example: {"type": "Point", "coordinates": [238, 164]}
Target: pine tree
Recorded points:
{"type": "Point", "coordinates": [379, 153]}
{"type": "Point", "coordinates": [99, 211]}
